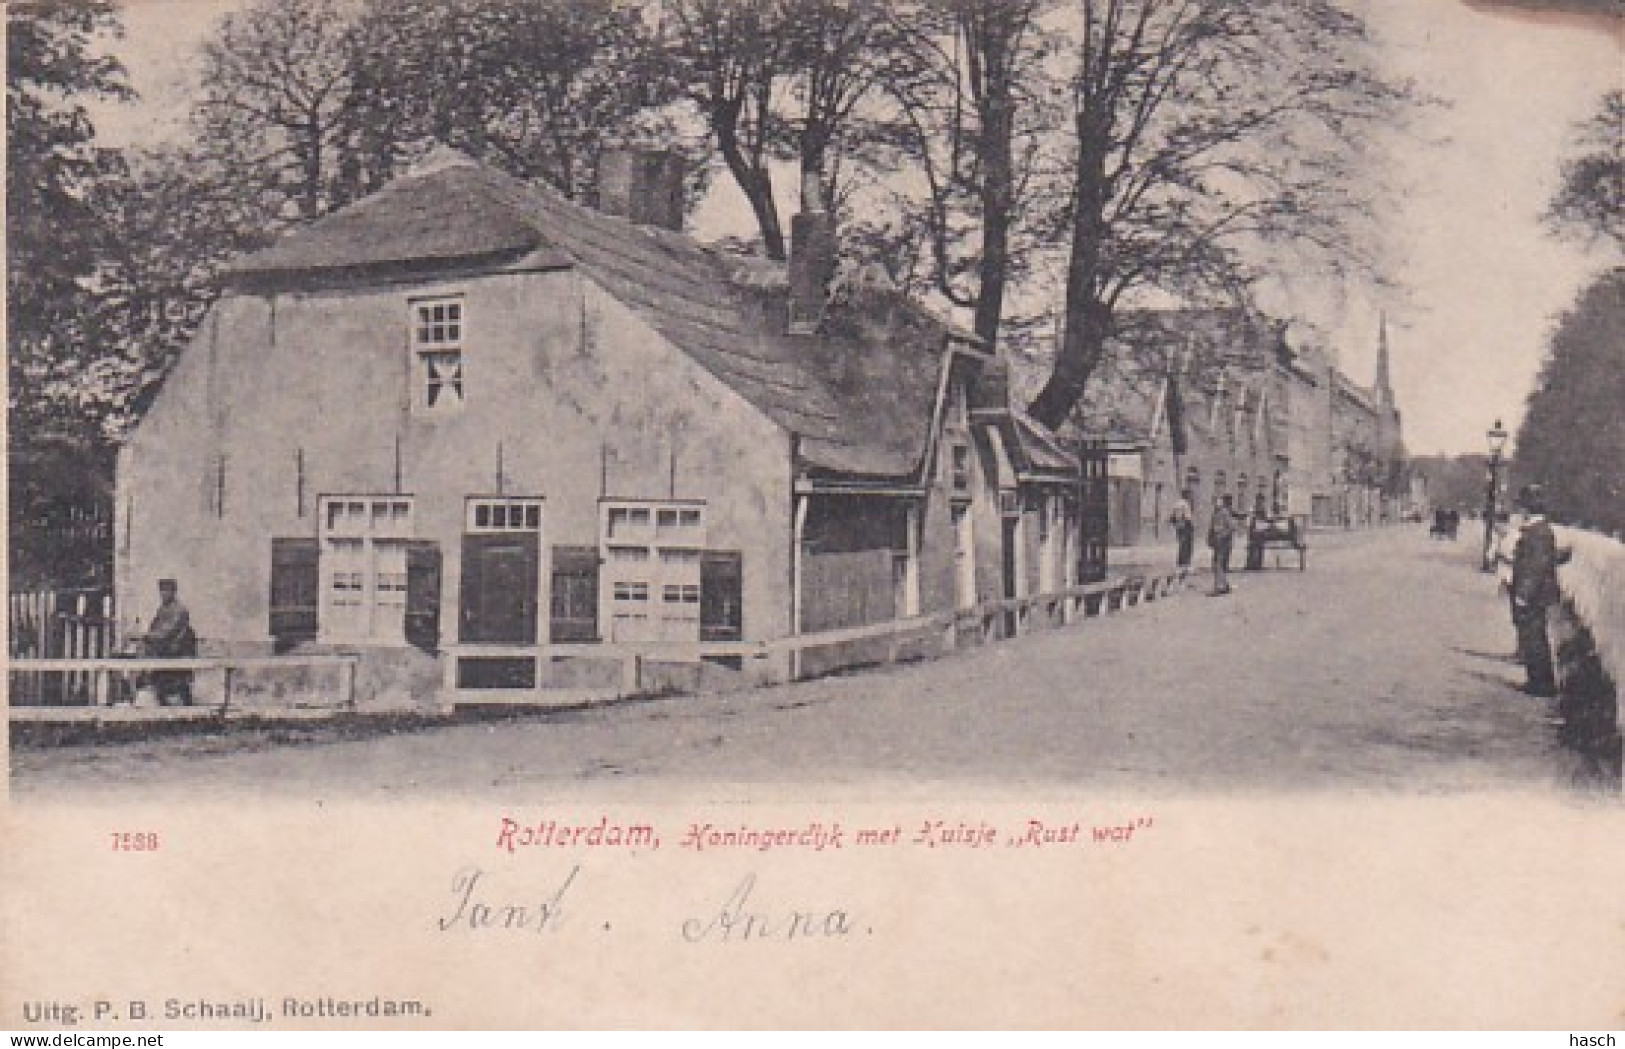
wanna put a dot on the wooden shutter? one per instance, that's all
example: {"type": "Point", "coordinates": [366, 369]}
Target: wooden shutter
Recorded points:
{"type": "Point", "coordinates": [296, 589]}
{"type": "Point", "coordinates": [722, 596]}
{"type": "Point", "coordinates": [574, 616]}
{"type": "Point", "coordinates": [423, 595]}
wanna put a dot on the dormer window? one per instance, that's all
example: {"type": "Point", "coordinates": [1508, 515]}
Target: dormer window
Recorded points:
{"type": "Point", "coordinates": [437, 345]}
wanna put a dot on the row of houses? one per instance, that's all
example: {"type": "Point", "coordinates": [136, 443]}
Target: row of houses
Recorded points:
{"type": "Point", "coordinates": [469, 420]}
{"type": "Point", "coordinates": [1222, 401]}
{"type": "Point", "coordinates": [468, 415]}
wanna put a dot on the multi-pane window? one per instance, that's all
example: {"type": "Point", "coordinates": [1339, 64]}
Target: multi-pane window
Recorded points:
{"type": "Point", "coordinates": [631, 591]}
{"type": "Point", "coordinates": [504, 515]}
{"type": "Point", "coordinates": [364, 515]}
{"type": "Point", "coordinates": [437, 342]}
{"type": "Point", "coordinates": [652, 554]}
{"type": "Point", "coordinates": [574, 617]}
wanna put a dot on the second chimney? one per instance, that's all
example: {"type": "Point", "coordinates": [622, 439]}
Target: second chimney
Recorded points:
{"type": "Point", "coordinates": [644, 186]}
{"type": "Point", "coordinates": [812, 267]}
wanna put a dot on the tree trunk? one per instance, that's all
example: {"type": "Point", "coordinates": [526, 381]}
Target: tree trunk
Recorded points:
{"type": "Point", "coordinates": [814, 149]}
{"type": "Point", "coordinates": [1088, 316]}
{"type": "Point", "coordinates": [1088, 325]}
{"type": "Point", "coordinates": [310, 202]}
{"type": "Point", "coordinates": [757, 185]}
{"type": "Point", "coordinates": [998, 203]}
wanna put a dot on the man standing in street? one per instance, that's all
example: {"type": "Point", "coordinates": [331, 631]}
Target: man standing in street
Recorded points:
{"type": "Point", "coordinates": [1184, 530]}
{"type": "Point", "coordinates": [1221, 532]}
{"type": "Point", "coordinates": [1534, 590]}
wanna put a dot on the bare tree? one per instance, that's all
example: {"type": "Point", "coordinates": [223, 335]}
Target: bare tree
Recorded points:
{"type": "Point", "coordinates": [275, 99]}
{"type": "Point", "coordinates": [975, 112]}
{"type": "Point", "coordinates": [782, 79]}
{"type": "Point", "coordinates": [532, 86]}
{"type": "Point", "coordinates": [729, 58]}
{"type": "Point", "coordinates": [1208, 136]}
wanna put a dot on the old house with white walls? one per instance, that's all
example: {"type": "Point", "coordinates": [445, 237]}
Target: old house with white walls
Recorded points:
{"type": "Point", "coordinates": [468, 420]}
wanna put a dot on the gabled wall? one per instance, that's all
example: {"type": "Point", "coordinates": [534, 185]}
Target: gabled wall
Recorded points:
{"type": "Point", "coordinates": [285, 397]}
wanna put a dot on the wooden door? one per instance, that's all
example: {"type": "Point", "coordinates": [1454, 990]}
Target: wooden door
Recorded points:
{"type": "Point", "coordinates": [1009, 565]}
{"type": "Point", "coordinates": [498, 603]}
{"type": "Point", "coordinates": [722, 593]}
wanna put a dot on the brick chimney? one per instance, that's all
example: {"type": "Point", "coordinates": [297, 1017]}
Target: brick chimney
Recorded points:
{"type": "Point", "coordinates": [644, 186]}
{"type": "Point", "coordinates": [812, 257]}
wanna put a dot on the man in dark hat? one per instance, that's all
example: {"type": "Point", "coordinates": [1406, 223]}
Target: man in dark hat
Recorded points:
{"type": "Point", "coordinates": [1534, 590]}
{"type": "Point", "coordinates": [170, 636]}
{"type": "Point", "coordinates": [1221, 531]}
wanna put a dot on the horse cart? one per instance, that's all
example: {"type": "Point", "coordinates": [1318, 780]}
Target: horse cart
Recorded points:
{"type": "Point", "coordinates": [1281, 532]}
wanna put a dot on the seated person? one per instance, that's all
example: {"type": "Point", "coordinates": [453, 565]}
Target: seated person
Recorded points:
{"type": "Point", "coordinates": [170, 636]}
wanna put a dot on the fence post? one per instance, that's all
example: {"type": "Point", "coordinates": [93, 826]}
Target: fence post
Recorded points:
{"type": "Point", "coordinates": [631, 673]}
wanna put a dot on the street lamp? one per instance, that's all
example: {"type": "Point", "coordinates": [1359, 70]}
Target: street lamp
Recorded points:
{"type": "Point", "coordinates": [1498, 441]}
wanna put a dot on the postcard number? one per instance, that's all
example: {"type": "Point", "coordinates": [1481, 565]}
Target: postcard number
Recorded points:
{"type": "Point", "coordinates": [135, 841]}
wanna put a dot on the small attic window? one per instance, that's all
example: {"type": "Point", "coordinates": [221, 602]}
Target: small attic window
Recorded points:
{"type": "Point", "coordinates": [437, 344]}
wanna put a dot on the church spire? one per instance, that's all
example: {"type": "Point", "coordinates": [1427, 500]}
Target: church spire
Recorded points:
{"type": "Point", "coordinates": [1384, 385]}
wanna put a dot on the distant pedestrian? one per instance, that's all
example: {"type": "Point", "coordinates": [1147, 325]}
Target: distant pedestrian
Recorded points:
{"type": "Point", "coordinates": [1258, 526]}
{"type": "Point", "coordinates": [1184, 529]}
{"type": "Point", "coordinates": [1221, 532]}
{"type": "Point", "coordinates": [1534, 589]}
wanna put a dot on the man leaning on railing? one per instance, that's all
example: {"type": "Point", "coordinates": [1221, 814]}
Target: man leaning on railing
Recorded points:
{"type": "Point", "coordinates": [1534, 590]}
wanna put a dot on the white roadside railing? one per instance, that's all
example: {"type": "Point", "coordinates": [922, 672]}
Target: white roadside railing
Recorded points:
{"type": "Point", "coordinates": [68, 689]}
{"type": "Point", "coordinates": [1593, 583]}
{"type": "Point", "coordinates": [1588, 641]}
{"type": "Point", "coordinates": [95, 689]}
{"type": "Point", "coordinates": [635, 667]}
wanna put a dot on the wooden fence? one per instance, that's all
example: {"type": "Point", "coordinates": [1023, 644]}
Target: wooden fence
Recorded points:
{"type": "Point", "coordinates": [52, 624]}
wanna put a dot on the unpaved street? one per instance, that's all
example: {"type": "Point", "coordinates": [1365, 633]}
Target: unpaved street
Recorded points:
{"type": "Point", "coordinates": [1383, 667]}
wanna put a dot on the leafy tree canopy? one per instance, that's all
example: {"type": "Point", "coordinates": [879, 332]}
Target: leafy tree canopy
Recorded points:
{"type": "Point", "coordinates": [1572, 440]}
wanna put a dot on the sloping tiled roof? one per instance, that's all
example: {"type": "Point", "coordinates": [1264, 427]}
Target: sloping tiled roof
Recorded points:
{"type": "Point", "coordinates": [1039, 449]}
{"type": "Point", "coordinates": [859, 397]}
{"type": "Point", "coordinates": [441, 216]}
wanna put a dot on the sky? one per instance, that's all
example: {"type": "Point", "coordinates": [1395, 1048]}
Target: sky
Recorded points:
{"type": "Point", "coordinates": [1483, 280]}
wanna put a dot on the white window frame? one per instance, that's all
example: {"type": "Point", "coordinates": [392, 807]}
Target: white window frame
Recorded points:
{"type": "Point", "coordinates": [434, 338]}
{"type": "Point", "coordinates": [502, 515]}
{"type": "Point", "coordinates": [651, 554]}
{"type": "Point", "coordinates": [372, 531]}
